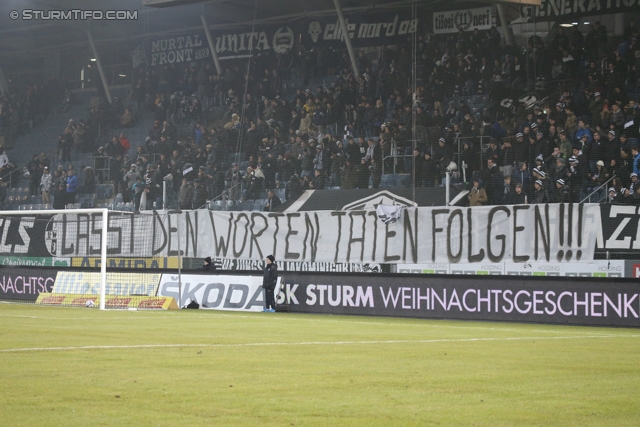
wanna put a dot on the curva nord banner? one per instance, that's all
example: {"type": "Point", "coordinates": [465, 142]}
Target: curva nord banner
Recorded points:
{"type": "Point", "coordinates": [363, 30]}
{"type": "Point", "coordinates": [521, 233]}
{"type": "Point", "coordinates": [572, 301]}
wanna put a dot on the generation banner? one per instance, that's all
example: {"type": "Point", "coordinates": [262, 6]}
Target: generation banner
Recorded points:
{"type": "Point", "coordinates": [234, 293]}
{"type": "Point", "coordinates": [518, 234]}
{"type": "Point", "coordinates": [581, 301]}
{"type": "Point", "coordinates": [550, 10]}
{"type": "Point", "coordinates": [466, 20]}
{"type": "Point", "coordinates": [25, 284]}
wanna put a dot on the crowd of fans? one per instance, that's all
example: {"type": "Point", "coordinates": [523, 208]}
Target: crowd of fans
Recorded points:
{"type": "Point", "coordinates": [20, 112]}
{"type": "Point", "coordinates": [233, 135]}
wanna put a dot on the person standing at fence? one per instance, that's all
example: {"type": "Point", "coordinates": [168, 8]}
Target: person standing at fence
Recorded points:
{"type": "Point", "coordinates": [234, 178]}
{"type": "Point", "coordinates": [72, 186]}
{"type": "Point", "coordinates": [45, 185]}
{"type": "Point", "coordinates": [269, 281]}
{"type": "Point", "coordinates": [208, 265]}
{"type": "Point", "coordinates": [137, 190]}
{"type": "Point", "coordinates": [3, 193]}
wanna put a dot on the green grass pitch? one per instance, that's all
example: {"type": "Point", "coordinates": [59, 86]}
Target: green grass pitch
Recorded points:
{"type": "Point", "coordinates": [78, 366]}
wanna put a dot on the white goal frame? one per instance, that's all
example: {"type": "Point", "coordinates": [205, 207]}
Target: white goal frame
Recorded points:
{"type": "Point", "coordinates": [104, 235]}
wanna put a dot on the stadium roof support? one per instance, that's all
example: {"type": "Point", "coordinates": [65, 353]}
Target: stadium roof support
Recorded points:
{"type": "Point", "coordinates": [504, 23]}
{"type": "Point", "coordinates": [3, 83]}
{"type": "Point", "coordinates": [212, 45]}
{"type": "Point", "coordinates": [347, 39]}
{"type": "Point", "coordinates": [103, 77]}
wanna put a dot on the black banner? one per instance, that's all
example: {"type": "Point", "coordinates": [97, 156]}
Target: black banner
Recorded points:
{"type": "Point", "coordinates": [619, 229]}
{"type": "Point", "coordinates": [550, 10]}
{"type": "Point", "coordinates": [367, 30]}
{"type": "Point", "coordinates": [580, 302]}
{"type": "Point", "coordinates": [27, 236]}
{"type": "Point", "coordinates": [25, 284]}
{"type": "Point", "coordinates": [258, 265]}
{"type": "Point", "coordinates": [364, 30]}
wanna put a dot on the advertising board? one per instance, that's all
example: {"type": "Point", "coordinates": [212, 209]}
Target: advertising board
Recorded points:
{"type": "Point", "coordinates": [510, 298]}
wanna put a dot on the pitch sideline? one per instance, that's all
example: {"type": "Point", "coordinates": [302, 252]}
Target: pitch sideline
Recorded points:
{"type": "Point", "coordinates": [305, 343]}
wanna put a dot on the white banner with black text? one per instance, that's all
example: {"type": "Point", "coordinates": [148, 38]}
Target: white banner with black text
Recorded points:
{"type": "Point", "coordinates": [520, 233]}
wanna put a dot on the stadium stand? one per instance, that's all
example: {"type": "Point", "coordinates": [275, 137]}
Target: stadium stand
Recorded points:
{"type": "Point", "coordinates": [546, 121]}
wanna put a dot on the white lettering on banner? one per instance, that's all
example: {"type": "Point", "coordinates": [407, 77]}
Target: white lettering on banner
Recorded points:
{"type": "Point", "coordinates": [520, 234]}
{"type": "Point", "coordinates": [25, 224]}
{"type": "Point", "coordinates": [551, 9]}
{"type": "Point", "coordinates": [496, 301]}
{"type": "Point", "coordinates": [175, 50]}
{"type": "Point", "coordinates": [235, 293]}
{"type": "Point", "coordinates": [25, 285]}
{"type": "Point", "coordinates": [192, 47]}
{"type": "Point", "coordinates": [632, 220]}
{"type": "Point", "coordinates": [341, 296]}
{"type": "Point", "coordinates": [364, 30]}
{"type": "Point", "coordinates": [467, 20]}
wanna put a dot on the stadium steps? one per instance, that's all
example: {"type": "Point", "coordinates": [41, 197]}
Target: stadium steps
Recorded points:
{"type": "Point", "coordinates": [43, 137]}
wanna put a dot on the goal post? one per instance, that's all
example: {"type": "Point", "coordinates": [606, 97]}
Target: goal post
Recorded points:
{"type": "Point", "coordinates": [28, 242]}
{"type": "Point", "coordinates": [89, 258]}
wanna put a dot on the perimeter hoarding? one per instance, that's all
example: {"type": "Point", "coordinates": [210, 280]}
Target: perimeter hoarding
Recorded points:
{"type": "Point", "coordinates": [504, 298]}
{"type": "Point", "coordinates": [88, 283]}
{"type": "Point", "coordinates": [25, 284]}
{"type": "Point", "coordinates": [111, 301]}
{"type": "Point", "coordinates": [599, 268]}
{"type": "Point", "coordinates": [215, 292]}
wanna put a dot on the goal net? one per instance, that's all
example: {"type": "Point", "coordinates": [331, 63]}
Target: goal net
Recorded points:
{"type": "Point", "coordinates": [68, 258]}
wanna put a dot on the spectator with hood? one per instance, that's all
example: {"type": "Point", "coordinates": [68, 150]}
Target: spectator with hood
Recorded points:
{"type": "Point", "coordinates": [207, 265]}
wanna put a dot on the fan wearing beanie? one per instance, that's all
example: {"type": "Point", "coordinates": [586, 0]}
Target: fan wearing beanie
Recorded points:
{"type": "Point", "coordinates": [207, 265]}
{"type": "Point", "coordinates": [269, 284]}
